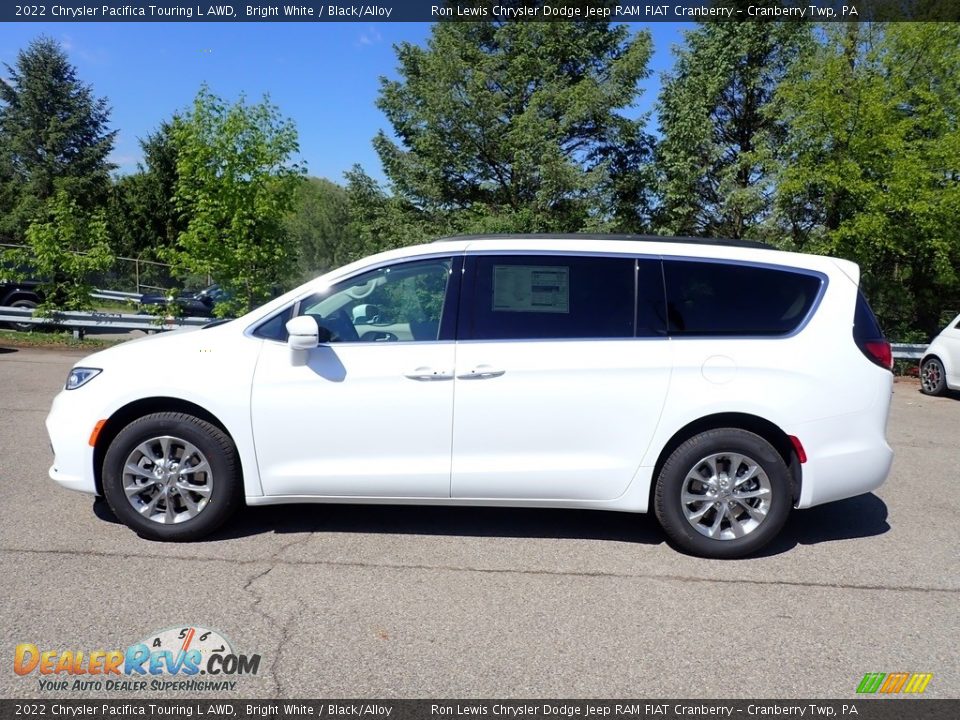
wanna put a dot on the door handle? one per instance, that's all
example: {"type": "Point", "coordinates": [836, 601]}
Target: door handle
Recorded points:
{"type": "Point", "coordinates": [481, 372]}
{"type": "Point", "coordinates": [426, 374]}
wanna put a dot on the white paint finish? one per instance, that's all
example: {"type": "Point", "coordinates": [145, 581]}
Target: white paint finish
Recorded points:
{"type": "Point", "coordinates": [719, 369]}
{"type": "Point", "coordinates": [570, 423]}
{"type": "Point", "coordinates": [351, 420]}
{"type": "Point", "coordinates": [946, 346]}
{"type": "Point", "coordinates": [565, 420]}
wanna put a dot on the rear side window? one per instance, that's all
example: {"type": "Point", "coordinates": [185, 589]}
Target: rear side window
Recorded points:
{"type": "Point", "coordinates": [538, 297]}
{"type": "Point", "coordinates": [713, 298]}
{"type": "Point", "coordinates": [865, 325]}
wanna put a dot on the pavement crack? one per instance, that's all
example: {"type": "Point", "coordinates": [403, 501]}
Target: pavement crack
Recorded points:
{"type": "Point", "coordinates": [276, 562]}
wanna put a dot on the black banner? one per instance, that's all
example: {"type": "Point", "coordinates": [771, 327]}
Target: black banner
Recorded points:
{"type": "Point", "coordinates": [229, 709]}
{"type": "Point", "coordinates": [471, 10]}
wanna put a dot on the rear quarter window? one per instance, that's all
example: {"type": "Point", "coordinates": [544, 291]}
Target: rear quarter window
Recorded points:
{"type": "Point", "coordinates": [725, 299]}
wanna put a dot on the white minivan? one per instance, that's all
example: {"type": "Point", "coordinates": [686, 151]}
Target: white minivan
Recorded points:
{"type": "Point", "coordinates": [719, 384]}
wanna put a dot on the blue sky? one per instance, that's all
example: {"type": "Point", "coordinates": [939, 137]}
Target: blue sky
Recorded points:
{"type": "Point", "coordinates": [322, 75]}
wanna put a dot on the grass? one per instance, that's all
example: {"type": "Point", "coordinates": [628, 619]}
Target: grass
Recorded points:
{"type": "Point", "coordinates": [52, 339]}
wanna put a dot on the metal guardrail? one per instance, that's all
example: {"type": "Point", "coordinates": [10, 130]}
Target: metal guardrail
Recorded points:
{"type": "Point", "coordinates": [80, 321]}
{"type": "Point", "coordinates": [906, 351]}
{"type": "Point", "coordinates": [116, 295]}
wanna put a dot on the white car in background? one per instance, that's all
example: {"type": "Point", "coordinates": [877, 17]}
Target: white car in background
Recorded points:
{"type": "Point", "coordinates": [940, 366]}
{"type": "Point", "coordinates": [717, 384]}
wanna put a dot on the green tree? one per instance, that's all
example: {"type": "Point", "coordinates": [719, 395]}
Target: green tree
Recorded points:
{"type": "Point", "coordinates": [318, 224]}
{"type": "Point", "coordinates": [236, 183]}
{"type": "Point", "coordinates": [379, 221]}
{"type": "Point", "coordinates": [67, 246]}
{"type": "Point", "coordinates": [871, 165]}
{"type": "Point", "coordinates": [53, 137]}
{"type": "Point", "coordinates": [515, 126]}
{"type": "Point", "coordinates": [142, 213]}
{"type": "Point", "coordinates": [719, 126]}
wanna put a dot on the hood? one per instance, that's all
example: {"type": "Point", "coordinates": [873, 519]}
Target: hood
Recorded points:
{"type": "Point", "coordinates": [161, 345]}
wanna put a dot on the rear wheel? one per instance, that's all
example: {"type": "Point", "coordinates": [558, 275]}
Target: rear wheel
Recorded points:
{"type": "Point", "coordinates": [23, 303]}
{"type": "Point", "coordinates": [723, 494]}
{"type": "Point", "coordinates": [172, 476]}
{"type": "Point", "coordinates": [933, 377]}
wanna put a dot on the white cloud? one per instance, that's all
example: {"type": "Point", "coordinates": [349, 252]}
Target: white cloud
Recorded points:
{"type": "Point", "coordinates": [370, 37]}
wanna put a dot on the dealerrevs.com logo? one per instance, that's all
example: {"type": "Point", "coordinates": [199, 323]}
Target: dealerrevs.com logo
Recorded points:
{"type": "Point", "coordinates": [169, 660]}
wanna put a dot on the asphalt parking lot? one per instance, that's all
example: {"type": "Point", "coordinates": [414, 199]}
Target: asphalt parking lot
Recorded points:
{"type": "Point", "coordinates": [406, 602]}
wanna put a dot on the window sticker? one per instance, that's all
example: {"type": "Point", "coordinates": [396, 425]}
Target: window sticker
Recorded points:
{"type": "Point", "coordinates": [531, 288]}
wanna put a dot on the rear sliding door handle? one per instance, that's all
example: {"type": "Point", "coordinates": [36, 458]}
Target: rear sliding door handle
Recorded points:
{"type": "Point", "coordinates": [481, 372]}
{"type": "Point", "coordinates": [427, 374]}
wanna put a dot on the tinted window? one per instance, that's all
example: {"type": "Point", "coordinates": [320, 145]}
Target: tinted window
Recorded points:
{"type": "Point", "coordinates": [711, 298]}
{"type": "Point", "coordinates": [865, 325]}
{"type": "Point", "coordinates": [550, 297]}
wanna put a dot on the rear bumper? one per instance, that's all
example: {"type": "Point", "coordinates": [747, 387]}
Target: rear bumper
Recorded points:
{"type": "Point", "coordinates": [847, 455]}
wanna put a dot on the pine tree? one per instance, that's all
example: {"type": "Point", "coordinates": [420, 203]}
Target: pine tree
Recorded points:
{"type": "Point", "coordinates": [54, 137]}
{"type": "Point", "coordinates": [719, 127]}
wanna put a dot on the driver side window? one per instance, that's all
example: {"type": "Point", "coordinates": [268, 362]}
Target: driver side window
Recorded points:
{"type": "Point", "coordinates": [400, 303]}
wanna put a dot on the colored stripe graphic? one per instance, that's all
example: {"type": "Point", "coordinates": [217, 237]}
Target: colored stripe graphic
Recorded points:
{"type": "Point", "coordinates": [918, 682]}
{"type": "Point", "coordinates": [871, 682]}
{"type": "Point", "coordinates": [894, 683]}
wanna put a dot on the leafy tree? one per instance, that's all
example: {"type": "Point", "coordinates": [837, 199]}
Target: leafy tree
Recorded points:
{"type": "Point", "coordinates": [379, 221]}
{"type": "Point", "coordinates": [236, 183]}
{"type": "Point", "coordinates": [142, 211]}
{"type": "Point", "coordinates": [53, 137]}
{"type": "Point", "coordinates": [871, 165]}
{"type": "Point", "coordinates": [719, 126]}
{"type": "Point", "coordinates": [515, 126]}
{"type": "Point", "coordinates": [67, 246]}
{"type": "Point", "coordinates": [318, 224]}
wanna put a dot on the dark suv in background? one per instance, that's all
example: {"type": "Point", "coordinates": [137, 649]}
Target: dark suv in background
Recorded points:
{"type": "Point", "coordinates": [23, 294]}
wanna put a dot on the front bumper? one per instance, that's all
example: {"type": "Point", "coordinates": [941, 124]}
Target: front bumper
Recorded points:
{"type": "Point", "coordinates": [69, 425]}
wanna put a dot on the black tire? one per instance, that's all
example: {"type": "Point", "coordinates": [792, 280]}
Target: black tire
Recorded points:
{"type": "Point", "coordinates": [695, 454]}
{"type": "Point", "coordinates": [225, 494]}
{"type": "Point", "coordinates": [933, 377]}
{"type": "Point", "coordinates": [22, 303]}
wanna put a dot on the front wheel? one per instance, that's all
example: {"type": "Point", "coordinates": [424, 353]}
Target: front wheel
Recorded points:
{"type": "Point", "coordinates": [723, 494]}
{"type": "Point", "coordinates": [172, 476]}
{"type": "Point", "coordinates": [933, 377]}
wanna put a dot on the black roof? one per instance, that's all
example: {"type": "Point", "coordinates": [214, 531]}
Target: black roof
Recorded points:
{"type": "Point", "coordinates": [606, 236]}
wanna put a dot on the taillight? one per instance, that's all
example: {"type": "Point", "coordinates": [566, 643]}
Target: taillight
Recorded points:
{"type": "Point", "coordinates": [880, 352]}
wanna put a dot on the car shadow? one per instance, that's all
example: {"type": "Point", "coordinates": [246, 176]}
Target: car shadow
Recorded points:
{"type": "Point", "coordinates": [6, 350]}
{"type": "Point", "coordinates": [450, 521]}
{"type": "Point", "coordinates": [858, 517]}
{"type": "Point", "coordinates": [862, 516]}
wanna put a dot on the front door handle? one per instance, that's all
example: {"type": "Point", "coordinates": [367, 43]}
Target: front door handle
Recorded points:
{"type": "Point", "coordinates": [481, 372]}
{"type": "Point", "coordinates": [427, 374]}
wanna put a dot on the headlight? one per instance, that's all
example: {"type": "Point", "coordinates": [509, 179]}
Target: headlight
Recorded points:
{"type": "Point", "coordinates": [80, 376]}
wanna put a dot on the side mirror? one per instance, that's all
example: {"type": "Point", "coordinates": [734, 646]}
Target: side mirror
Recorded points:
{"type": "Point", "coordinates": [303, 333]}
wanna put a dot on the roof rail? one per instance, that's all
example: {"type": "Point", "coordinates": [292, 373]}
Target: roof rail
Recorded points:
{"type": "Point", "coordinates": [608, 236]}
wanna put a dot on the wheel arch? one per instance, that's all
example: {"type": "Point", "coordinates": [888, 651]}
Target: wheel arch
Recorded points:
{"type": "Point", "coordinates": [145, 406]}
{"type": "Point", "coordinates": [769, 431]}
{"type": "Point", "coordinates": [21, 295]}
{"type": "Point", "coordinates": [933, 356]}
